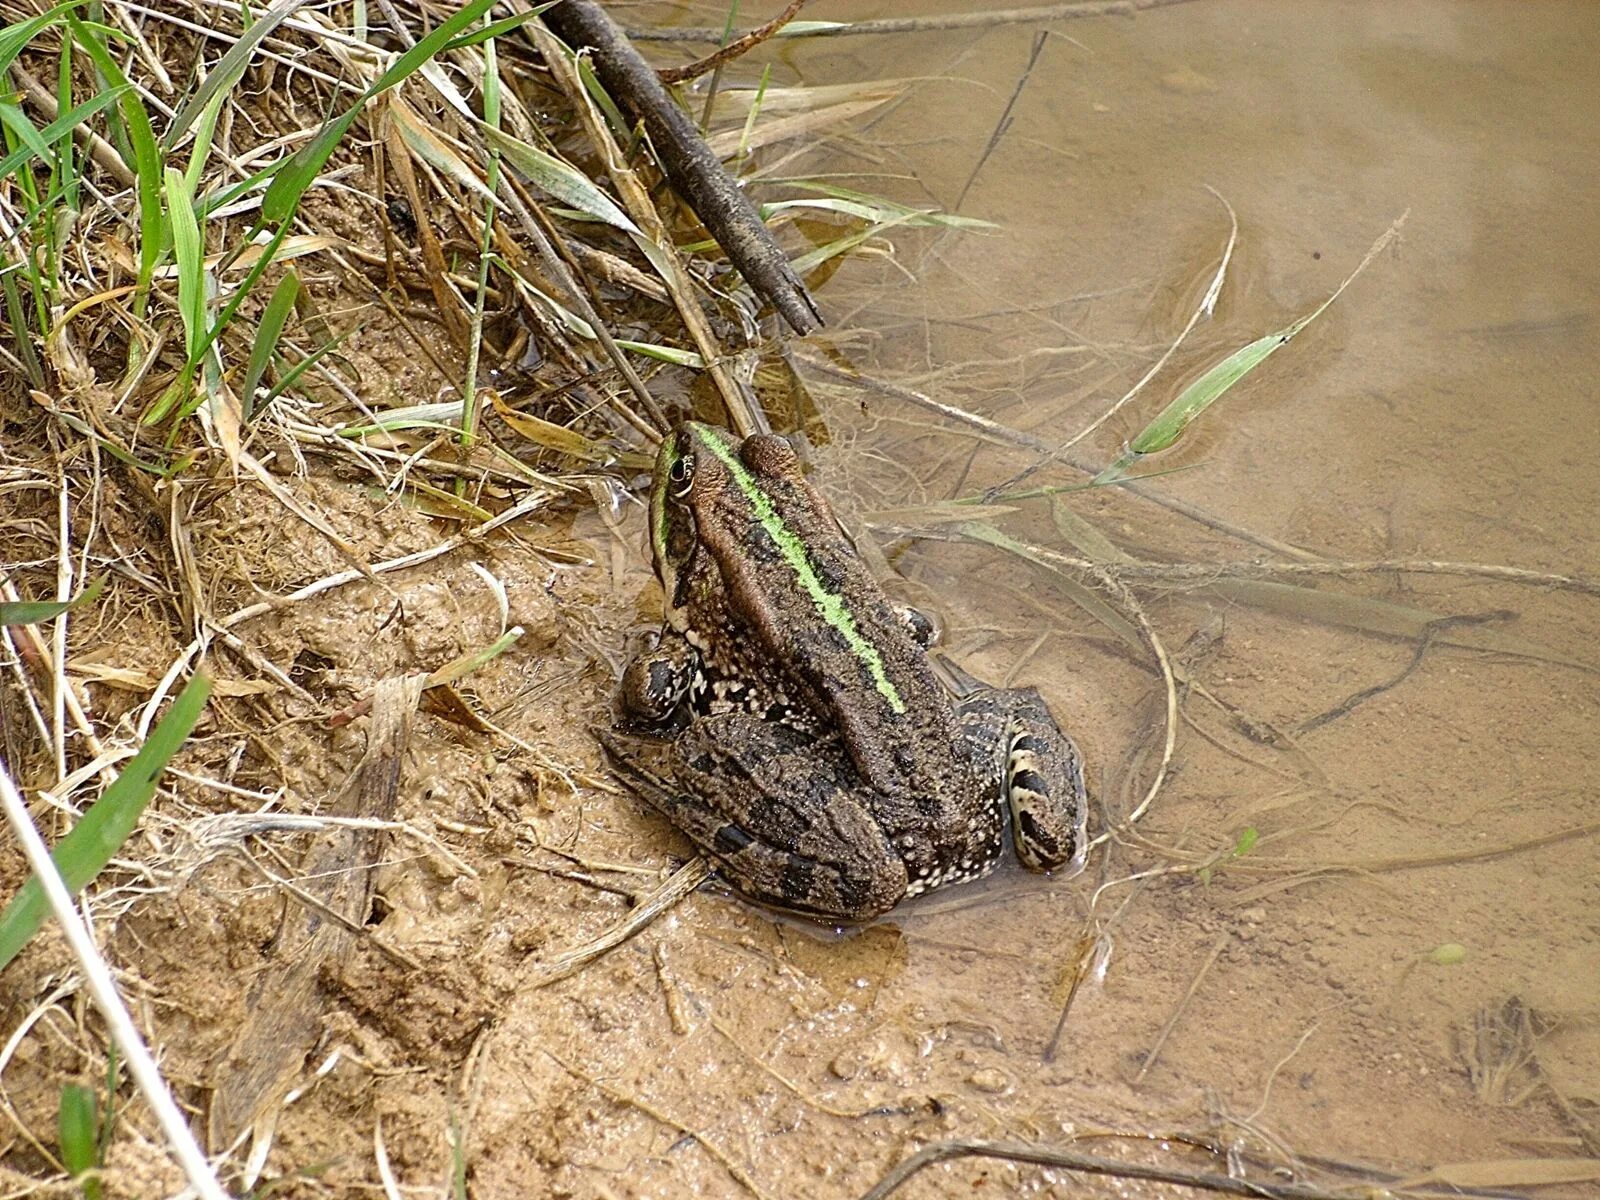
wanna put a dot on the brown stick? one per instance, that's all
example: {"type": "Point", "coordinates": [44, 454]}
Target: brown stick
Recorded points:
{"type": "Point", "coordinates": [739, 45]}
{"type": "Point", "coordinates": [690, 165]}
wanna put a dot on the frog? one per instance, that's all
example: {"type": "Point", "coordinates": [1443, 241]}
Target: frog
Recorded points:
{"type": "Point", "coordinates": [788, 718]}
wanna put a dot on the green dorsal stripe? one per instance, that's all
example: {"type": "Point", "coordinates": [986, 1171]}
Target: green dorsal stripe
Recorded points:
{"type": "Point", "coordinates": [829, 605]}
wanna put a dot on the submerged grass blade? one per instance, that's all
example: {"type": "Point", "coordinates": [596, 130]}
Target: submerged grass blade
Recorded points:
{"type": "Point", "coordinates": [101, 831]}
{"type": "Point", "coordinates": [1170, 423]}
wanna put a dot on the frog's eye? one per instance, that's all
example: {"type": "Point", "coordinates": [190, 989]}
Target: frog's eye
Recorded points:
{"type": "Point", "coordinates": [680, 476]}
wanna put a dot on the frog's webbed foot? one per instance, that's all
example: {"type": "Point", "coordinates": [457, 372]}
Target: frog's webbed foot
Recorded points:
{"type": "Point", "coordinates": [1040, 773]}
{"type": "Point", "coordinates": [774, 816]}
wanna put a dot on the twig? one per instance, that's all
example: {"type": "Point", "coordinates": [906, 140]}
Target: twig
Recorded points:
{"type": "Point", "coordinates": [1217, 947]}
{"type": "Point", "coordinates": [1429, 633]}
{"type": "Point", "coordinates": [740, 45]}
{"type": "Point", "coordinates": [1004, 123]}
{"type": "Point", "coordinates": [104, 990]}
{"type": "Point", "coordinates": [1207, 572]}
{"type": "Point", "coordinates": [1102, 574]}
{"type": "Point", "coordinates": [695, 172]}
{"type": "Point", "coordinates": [1046, 1156]}
{"type": "Point", "coordinates": [683, 881]}
{"type": "Point", "coordinates": [933, 24]}
{"type": "Point", "coordinates": [653, 239]}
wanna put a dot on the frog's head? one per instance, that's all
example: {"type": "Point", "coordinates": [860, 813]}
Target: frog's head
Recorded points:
{"type": "Point", "coordinates": [709, 489]}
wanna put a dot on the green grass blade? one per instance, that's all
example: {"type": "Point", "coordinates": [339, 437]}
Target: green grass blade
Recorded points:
{"type": "Point", "coordinates": [15, 37]}
{"type": "Point", "coordinates": [77, 1135]}
{"type": "Point", "coordinates": [66, 152]}
{"type": "Point", "coordinates": [273, 319]}
{"type": "Point", "coordinates": [293, 374]}
{"type": "Point", "coordinates": [36, 142]}
{"type": "Point", "coordinates": [1200, 395]}
{"type": "Point", "coordinates": [190, 253]}
{"type": "Point", "coordinates": [300, 171]}
{"type": "Point", "coordinates": [201, 150]}
{"type": "Point", "coordinates": [601, 97]}
{"type": "Point", "coordinates": [17, 315]}
{"type": "Point", "coordinates": [100, 832]}
{"type": "Point", "coordinates": [499, 28]}
{"type": "Point", "coordinates": [562, 180]}
{"type": "Point", "coordinates": [146, 165]}
{"type": "Point", "coordinates": [666, 354]}
{"type": "Point", "coordinates": [229, 70]}
{"type": "Point", "coordinates": [29, 612]}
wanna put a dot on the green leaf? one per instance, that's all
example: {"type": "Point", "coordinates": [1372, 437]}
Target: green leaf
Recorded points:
{"type": "Point", "coordinates": [15, 37]}
{"type": "Point", "coordinates": [270, 329]}
{"type": "Point", "coordinates": [293, 374]}
{"type": "Point", "coordinates": [100, 832]}
{"type": "Point", "coordinates": [1449, 954]}
{"type": "Point", "coordinates": [1246, 841]}
{"type": "Point", "coordinates": [1169, 424]}
{"type": "Point", "coordinates": [201, 150]}
{"type": "Point", "coordinates": [1203, 392]}
{"type": "Point", "coordinates": [29, 612]}
{"type": "Point", "coordinates": [601, 97]}
{"type": "Point", "coordinates": [667, 354]}
{"type": "Point", "coordinates": [503, 26]}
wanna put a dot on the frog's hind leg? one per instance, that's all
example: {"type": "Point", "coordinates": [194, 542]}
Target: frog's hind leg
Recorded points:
{"type": "Point", "coordinates": [828, 859]}
{"type": "Point", "coordinates": [1038, 771]}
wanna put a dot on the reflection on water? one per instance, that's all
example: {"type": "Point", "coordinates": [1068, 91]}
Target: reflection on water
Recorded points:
{"type": "Point", "coordinates": [1394, 950]}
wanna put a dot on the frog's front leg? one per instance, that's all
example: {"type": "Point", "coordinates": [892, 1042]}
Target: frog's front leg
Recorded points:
{"type": "Point", "coordinates": [1038, 770]}
{"type": "Point", "coordinates": [660, 676]}
{"type": "Point", "coordinates": [777, 813]}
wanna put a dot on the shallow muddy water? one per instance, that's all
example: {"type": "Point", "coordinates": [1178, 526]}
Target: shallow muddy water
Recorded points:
{"type": "Point", "coordinates": [1393, 956]}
